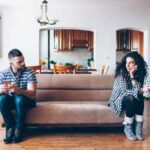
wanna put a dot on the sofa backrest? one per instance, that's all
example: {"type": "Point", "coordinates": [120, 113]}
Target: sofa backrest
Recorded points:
{"type": "Point", "coordinates": [74, 87]}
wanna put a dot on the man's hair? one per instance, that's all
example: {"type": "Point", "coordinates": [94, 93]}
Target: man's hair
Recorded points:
{"type": "Point", "coordinates": [14, 53]}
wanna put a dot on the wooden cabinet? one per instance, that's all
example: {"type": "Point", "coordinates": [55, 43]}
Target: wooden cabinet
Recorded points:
{"type": "Point", "coordinates": [137, 41]}
{"type": "Point", "coordinates": [79, 39]}
{"type": "Point", "coordinates": [131, 40]}
{"type": "Point", "coordinates": [69, 39]}
{"type": "Point", "coordinates": [124, 40]}
{"type": "Point", "coordinates": [62, 40]}
{"type": "Point", "coordinates": [90, 44]}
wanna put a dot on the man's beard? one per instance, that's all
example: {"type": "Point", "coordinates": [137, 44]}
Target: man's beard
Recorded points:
{"type": "Point", "coordinates": [20, 69]}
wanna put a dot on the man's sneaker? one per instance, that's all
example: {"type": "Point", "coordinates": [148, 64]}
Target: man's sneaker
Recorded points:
{"type": "Point", "coordinates": [9, 135]}
{"type": "Point", "coordinates": [18, 135]}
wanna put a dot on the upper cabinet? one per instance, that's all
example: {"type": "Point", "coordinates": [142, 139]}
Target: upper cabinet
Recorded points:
{"type": "Point", "coordinates": [123, 39]}
{"type": "Point", "coordinates": [131, 40]}
{"type": "Point", "coordinates": [137, 41]}
{"type": "Point", "coordinates": [62, 40]}
{"type": "Point", "coordinates": [67, 39]}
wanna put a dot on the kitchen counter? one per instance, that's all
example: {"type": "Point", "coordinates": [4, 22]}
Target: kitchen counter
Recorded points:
{"type": "Point", "coordinates": [78, 71]}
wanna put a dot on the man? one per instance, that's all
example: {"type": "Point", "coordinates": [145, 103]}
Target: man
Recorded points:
{"type": "Point", "coordinates": [17, 92]}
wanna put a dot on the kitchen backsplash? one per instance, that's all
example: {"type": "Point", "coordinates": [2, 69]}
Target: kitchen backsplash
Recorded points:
{"type": "Point", "coordinates": [79, 56]}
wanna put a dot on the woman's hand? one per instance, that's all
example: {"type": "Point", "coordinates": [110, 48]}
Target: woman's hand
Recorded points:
{"type": "Point", "coordinates": [145, 89]}
{"type": "Point", "coordinates": [132, 71]}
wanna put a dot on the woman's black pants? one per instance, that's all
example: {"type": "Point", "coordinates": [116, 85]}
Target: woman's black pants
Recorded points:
{"type": "Point", "coordinates": [133, 106]}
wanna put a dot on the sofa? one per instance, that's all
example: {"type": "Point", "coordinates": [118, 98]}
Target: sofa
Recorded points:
{"type": "Point", "coordinates": [73, 99]}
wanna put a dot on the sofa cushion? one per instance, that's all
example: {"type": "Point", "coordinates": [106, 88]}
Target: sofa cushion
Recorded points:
{"type": "Point", "coordinates": [74, 87]}
{"type": "Point", "coordinates": [73, 112]}
{"type": "Point", "coordinates": [75, 81]}
{"type": "Point", "coordinates": [73, 95]}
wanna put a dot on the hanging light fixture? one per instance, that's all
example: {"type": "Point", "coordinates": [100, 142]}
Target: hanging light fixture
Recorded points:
{"type": "Point", "coordinates": [43, 19]}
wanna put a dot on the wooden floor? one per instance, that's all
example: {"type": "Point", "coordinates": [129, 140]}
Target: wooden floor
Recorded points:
{"type": "Point", "coordinates": [103, 138]}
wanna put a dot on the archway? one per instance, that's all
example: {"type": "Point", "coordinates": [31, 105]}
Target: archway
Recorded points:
{"type": "Point", "coordinates": [129, 39]}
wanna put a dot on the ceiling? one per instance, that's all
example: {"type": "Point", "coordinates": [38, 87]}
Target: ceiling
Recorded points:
{"type": "Point", "coordinates": [9, 2]}
{"type": "Point", "coordinates": [100, 4]}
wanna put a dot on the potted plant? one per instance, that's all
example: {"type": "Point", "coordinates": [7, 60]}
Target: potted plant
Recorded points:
{"type": "Point", "coordinates": [42, 63]}
{"type": "Point", "coordinates": [68, 64]}
{"type": "Point", "coordinates": [52, 62]}
{"type": "Point", "coordinates": [89, 63]}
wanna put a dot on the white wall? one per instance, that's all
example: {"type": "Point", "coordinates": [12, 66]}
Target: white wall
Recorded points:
{"type": "Point", "coordinates": [104, 17]}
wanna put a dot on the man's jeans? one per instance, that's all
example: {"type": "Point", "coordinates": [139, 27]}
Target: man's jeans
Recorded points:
{"type": "Point", "coordinates": [20, 104]}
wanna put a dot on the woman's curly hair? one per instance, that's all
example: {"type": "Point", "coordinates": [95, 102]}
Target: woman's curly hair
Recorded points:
{"type": "Point", "coordinates": [140, 74]}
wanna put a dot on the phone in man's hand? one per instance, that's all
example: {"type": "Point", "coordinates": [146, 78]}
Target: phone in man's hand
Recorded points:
{"type": "Point", "coordinates": [6, 82]}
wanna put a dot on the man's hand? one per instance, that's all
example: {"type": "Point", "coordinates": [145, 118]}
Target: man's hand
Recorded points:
{"type": "Point", "coordinates": [4, 90]}
{"type": "Point", "coordinates": [14, 89]}
{"type": "Point", "coordinates": [30, 92]}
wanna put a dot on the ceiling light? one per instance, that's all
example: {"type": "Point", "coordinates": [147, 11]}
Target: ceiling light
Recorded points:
{"type": "Point", "coordinates": [43, 19]}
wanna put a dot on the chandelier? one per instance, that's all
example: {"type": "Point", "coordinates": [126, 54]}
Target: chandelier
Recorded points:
{"type": "Point", "coordinates": [43, 19]}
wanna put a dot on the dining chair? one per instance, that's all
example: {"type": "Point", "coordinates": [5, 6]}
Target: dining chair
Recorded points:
{"type": "Point", "coordinates": [36, 68]}
{"type": "Point", "coordinates": [60, 69]}
{"type": "Point", "coordinates": [104, 69]}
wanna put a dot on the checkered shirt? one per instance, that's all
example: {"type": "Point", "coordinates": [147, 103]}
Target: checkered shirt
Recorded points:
{"type": "Point", "coordinates": [120, 90]}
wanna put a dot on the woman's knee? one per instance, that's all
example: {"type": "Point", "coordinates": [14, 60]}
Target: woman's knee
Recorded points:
{"type": "Point", "coordinates": [131, 99]}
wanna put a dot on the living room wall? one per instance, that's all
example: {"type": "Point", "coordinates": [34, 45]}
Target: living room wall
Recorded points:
{"type": "Point", "coordinates": [19, 28]}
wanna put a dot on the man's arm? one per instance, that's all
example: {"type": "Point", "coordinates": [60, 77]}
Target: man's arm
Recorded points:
{"type": "Point", "coordinates": [30, 92]}
{"type": "Point", "coordinates": [3, 88]}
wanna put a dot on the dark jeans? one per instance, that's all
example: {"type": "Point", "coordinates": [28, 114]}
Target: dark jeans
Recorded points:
{"type": "Point", "coordinates": [20, 104]}
{"type": "Point", "coordinates": [133, 106]}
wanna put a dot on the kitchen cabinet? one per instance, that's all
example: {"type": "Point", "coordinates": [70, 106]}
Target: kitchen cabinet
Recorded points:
{"type": "Point", "coordinates": [62, 40]}
{"type": "Point", "coordinates": [90, 44]}
{"type": "Point", "coordinates": [65, 39]}
{"type": "Point", "coordinates": [124, 40]}
{"type": "Point", "coordinates": [137, 41]}
{"type": "Point", "coordinates": [130, 40]}
{"type": "Point", "coordinates": [80, 39]}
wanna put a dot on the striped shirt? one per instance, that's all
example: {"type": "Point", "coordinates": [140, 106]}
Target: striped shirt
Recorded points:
{"type": "Point", "coordinates": [120, 90]}
{"type": "Point", "coordinates": [22, 78]}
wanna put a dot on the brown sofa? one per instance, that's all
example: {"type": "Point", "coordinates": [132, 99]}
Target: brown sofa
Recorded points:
{"type": "Point", "coordinates": [73, 99]}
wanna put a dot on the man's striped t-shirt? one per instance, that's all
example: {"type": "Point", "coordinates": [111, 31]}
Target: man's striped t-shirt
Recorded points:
{"type": "Point", "coordinates": [21, 79]}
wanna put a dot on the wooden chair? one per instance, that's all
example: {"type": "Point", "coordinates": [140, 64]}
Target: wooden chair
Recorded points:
{"type": "Point", "coordinates": [37, 68]}
{"type": "Point", "coordinates": [104, 69]}
{"type": "Point", "coordinates": [60, 69]}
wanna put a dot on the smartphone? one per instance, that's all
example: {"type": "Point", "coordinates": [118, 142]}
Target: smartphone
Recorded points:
{"type": "Point", "coordinates": [6, 82]}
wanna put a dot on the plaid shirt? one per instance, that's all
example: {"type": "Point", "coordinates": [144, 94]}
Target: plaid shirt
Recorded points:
{"type": "Point", "coordinates": [21, 79]}
{"type": "Point", "coordinates": [120, 90]}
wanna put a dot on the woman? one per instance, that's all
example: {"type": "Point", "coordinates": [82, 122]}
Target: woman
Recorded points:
{"type": "Point", "coordinates": [128, 92]}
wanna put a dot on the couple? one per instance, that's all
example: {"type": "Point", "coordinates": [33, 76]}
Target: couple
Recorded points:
{"type": "Point", "coordinates": [20, 94]}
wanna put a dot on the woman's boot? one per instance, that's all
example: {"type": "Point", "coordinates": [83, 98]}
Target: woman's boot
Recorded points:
{"type": "Point", "coordinates": [139, 127]}
{"type": "Point", "coordinates": [128, 128]}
